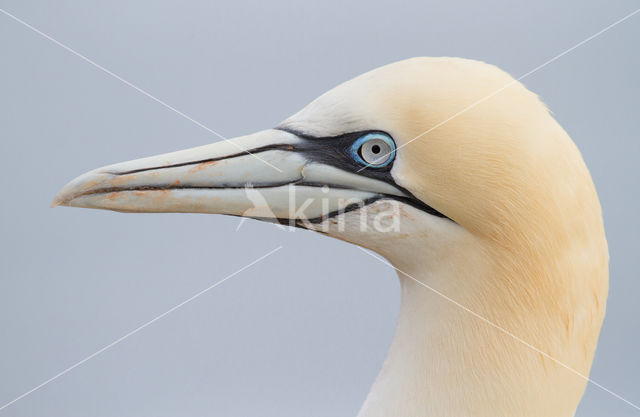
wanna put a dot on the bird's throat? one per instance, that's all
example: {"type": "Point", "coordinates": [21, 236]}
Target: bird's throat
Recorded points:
{"type": "Point", "coordinates": [446, 359]}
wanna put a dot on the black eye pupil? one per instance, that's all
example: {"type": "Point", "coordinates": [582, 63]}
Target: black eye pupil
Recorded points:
{"type": "Point", "coordinates": [373, 150]}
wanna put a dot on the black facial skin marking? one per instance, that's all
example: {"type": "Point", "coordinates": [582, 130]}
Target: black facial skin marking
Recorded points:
{"type": "Point", "coordinates": [334, 151]}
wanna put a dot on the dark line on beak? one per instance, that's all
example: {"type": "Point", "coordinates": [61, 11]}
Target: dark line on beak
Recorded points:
{"type": "Point", "coordinates": [321, 150]}
{"type": "Point", "coordinates": [406, 200]}
{"type": "Point", "coordinates": [272, 147]}
{"type": "Point", "coordinates": [169, 187]}
{"type": "Point", "coordinates": [351, 207]}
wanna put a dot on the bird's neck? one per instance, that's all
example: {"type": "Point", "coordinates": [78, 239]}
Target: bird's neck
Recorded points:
{"type": "Point", "coordinates": [446, 359]}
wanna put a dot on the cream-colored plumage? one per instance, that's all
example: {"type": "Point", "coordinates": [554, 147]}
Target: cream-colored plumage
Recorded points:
{"type": "Point", "coordinates": [524, 247]}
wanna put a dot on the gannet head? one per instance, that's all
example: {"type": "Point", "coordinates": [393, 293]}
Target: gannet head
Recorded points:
{"type": "Point", "coordinates": [452, 141]}
{"type": "Point", "coordinates": [436, 163]}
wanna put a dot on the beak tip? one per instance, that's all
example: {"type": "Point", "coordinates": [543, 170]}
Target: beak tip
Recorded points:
{"type": "Point", "coordinates": [59, 200]}
{"type": "Point", "coordinates": [77, 187]}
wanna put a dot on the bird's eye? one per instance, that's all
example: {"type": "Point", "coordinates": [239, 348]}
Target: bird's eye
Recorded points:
{"type": "Point", "coordinates": [375, 150]}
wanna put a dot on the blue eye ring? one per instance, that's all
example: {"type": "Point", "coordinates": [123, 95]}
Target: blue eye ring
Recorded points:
{"type": "Point", "coordinates": [389, 153]}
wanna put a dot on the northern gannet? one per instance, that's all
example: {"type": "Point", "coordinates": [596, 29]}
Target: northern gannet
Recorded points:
{"type": "Point", "coordinates": [494, 209]}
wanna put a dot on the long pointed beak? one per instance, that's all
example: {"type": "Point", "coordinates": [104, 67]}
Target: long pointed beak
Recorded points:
{"type": "Point", "coordinates": [251, 176]}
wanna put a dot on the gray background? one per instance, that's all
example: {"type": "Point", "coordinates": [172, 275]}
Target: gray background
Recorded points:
{"type": "Point", "coordinates": [304, 332]}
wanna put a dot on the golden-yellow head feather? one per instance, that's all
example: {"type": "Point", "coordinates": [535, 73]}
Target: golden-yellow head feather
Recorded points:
{"type": "Point", "coordinates": [476, 145]}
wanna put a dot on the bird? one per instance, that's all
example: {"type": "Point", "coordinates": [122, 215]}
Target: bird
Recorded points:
{"type": "Point", "coordinates": [457, 175]}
